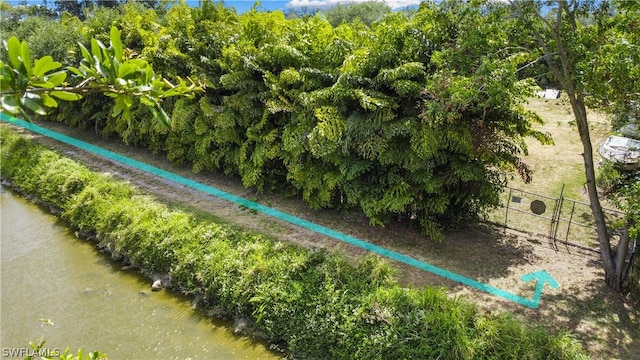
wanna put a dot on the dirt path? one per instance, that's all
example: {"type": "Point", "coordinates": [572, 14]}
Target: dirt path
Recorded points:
{"type": "Point", "coordinates": [607, 323]}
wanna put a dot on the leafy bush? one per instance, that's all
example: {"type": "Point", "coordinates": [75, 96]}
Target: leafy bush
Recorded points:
{"type": "Point", "coordinates": [46, 36]}
{"type": "Point", "coordinates": [415, 118]}
{"type": "Point", "coordinates": [318, 304]}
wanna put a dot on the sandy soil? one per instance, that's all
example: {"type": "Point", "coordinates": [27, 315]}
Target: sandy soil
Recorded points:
{"type": "Point", "coordinates": [607, 323]}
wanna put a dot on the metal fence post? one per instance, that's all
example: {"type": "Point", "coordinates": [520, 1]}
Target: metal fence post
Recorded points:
{"type": "Point", "coordinates": [506, 213]}
{"type": "Point", "coordinates": [559, 212]}
{"type": "Point", "coordinates": [573, 208]}
{"type": "Point", "coordinates": [555, 218]}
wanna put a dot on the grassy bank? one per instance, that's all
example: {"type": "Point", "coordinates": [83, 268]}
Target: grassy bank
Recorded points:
{"type": "Point", "coordinates": [317, 304]}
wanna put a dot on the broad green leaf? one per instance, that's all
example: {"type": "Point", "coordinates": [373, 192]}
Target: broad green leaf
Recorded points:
{"type": "Point", "coordinates": [24, 113]}
{"type": "Point", "coordinates": [20, 79]}
{"type": "Point", "coordinates": [26, 57]}
{"type": "Point", "coordinates": [5, 84]}
{"type": "Point", "coordinates": [127, 101]}
{"type": "Point", "coordinates": [126, 69]}
{"type": "Point", "coordinates": [115, 66]}
{"type": "Point", "coordinates": [86, 54]}
{"type": "Point", "coordinates": [65, 95]}
{"type": "Point", "coordinates": [132, 69]}
{"type": "Point", "coordinates": [117, 109]}
{"type": "Point", "coordinates": [76, 71]}
{"type": "Point", "coordinates": [98, 67]}
{"type": "Point", "coordinates": [116, 42]}
{"type": "Point", "coordinates": [13, 47]}
{"type": "Point", "coordinates": [32, 104]}
{"type": "Point", "coordinates": [10, 104]}
{"type": "Point", "coordinates": [49, 101]}
{"type": "Point", "coordinates": [42, 84]}
{"type": "Point", "coordinates": [123, 104]}
{"type": "Point", "coordinates": [176, 90]}
{"type": "Point", "coordinates": [7, 77]}
{"type": "Point", "coordinates": [44, 65]}
{"type": "Point", "coordinates": [106, 61]}
{"type": "Point", "coordinates": [145, 100]}
{"type": "Point", "coordinates": [107, 70]}
{"type": "Point", "coordinates": [56, 78]}
{"type": "Point", "coordinates": [96, 49]}
{"type": "Point", "coordinates": [161, 116]}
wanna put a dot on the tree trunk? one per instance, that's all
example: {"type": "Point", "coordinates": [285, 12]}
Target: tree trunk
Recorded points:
{"type": "Point", "coordinates": [621, 257]}
{"type": "Point", "coordinates": [580, 112]}
{"type": "Point", "coordinates": [576, 98]}
{"type": "Point", "coordinates": [562, 67]}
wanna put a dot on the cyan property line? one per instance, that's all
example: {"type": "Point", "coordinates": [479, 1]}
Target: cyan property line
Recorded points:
{"type": "Point", "coordinates": [542, 277]}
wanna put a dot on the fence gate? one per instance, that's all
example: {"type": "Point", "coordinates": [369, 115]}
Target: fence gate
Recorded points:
{"type": "Point", "coordinates": [560, 219]}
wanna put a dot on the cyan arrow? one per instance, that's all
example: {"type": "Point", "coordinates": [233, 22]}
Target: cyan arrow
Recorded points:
{"type": "Point", "coordinates": [541, 276]}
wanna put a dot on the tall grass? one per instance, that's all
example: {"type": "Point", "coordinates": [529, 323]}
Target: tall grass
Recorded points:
{"type": "Point", "coordinates": [318, 304]}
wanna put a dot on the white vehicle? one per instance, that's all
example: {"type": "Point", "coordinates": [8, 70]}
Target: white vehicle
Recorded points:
{"type": "Point", "coordinates": [623, 151]}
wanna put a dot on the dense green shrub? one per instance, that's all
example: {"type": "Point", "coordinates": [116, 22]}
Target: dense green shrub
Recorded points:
{"type": "Point", "coordinates": [416, 117]}
{"type": "Point", "coordinates": [318, 304]}
{"type": "Point", "coordinates": [44, 35]}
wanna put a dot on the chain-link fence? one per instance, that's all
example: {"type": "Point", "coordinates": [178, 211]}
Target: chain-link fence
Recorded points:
{"type": "Point", "coordinates": [560, 219]}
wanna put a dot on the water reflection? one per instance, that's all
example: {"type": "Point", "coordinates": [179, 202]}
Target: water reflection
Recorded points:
{"type": "Point", "coordinates": [49, 274]}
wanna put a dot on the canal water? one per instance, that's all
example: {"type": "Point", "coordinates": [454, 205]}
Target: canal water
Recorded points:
{"type": "Point", "coordinates": [47, 273]}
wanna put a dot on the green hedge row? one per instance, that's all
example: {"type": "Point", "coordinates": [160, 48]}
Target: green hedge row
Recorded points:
{"type": "Point", "coordinates": [318, 304]}
{"type": "Point", "coordinates": [417, 118]}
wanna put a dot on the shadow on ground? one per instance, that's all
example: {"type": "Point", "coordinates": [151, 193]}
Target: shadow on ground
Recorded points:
{"type": "Point", "coordinates": [606, 322]}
